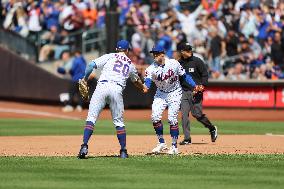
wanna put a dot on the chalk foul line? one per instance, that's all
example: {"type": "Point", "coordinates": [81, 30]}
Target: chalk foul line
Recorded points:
{"type": "Point", "coordinates": [40, 113]}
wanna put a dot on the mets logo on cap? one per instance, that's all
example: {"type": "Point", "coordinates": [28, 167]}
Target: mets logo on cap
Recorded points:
{"type": "Point", "coordinates": [122, 44]}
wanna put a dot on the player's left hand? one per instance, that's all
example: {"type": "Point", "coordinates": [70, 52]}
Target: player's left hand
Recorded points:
{"type": "Point", "coordinates": [145, 89]}
{"type": "Point", "coordinates": [84, 89]}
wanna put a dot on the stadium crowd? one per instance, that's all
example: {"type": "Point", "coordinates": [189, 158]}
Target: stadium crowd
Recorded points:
{"type": "Point", "coordinates": [238, 39]}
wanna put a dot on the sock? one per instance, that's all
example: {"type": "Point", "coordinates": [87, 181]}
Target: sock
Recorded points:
{"type": "Point", "coordinates": [174, 134]}
{"type": "Point", "coordinates": [88, 131]}
{"type": "Point", "coordinates": [121, 136]}
{"type": "Point", "coordinates": [158, 126]}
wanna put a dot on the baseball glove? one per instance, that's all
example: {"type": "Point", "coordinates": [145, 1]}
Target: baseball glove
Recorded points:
{"type": "Point", "coordinates": [197, 93]}
{"type": "Point", "coordinates": [84, 89]}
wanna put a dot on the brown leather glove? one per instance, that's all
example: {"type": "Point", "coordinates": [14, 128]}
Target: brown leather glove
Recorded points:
{"type": "Point", "coordinates": [84, 89]}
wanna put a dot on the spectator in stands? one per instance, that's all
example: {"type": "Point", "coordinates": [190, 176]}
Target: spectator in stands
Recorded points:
{"type": "Point", "coordinates": [246, 54]}
{"type": "Point", "coordinates": [142, 42]}
{"type": "Point", "coordinates": [277, 51]}
{"type": "Point", "coordinates": [139, 17]}
{"type": "Point", "coordinates": [77, 71]}
{"type": "Point", "coordinates": [123, 8]}
{"type": "Point", "coordinates": [101, 8]}
{"type": "Point", "coordinates": [267, 47]}
{"type": "Point", "coordinates": [188, 20]}
{"type": "Point", "coordinates": [216, 49]}
{"type": "Point", "coordinates": [275, 26]}
{"type": "Point", "coordinates": [263, 27]}
{"type": "Point", "coordinates": [56, 43]}
{"type": "Point", "coordinates": [89, 16]}
{"type": "Point", "coordinates": [237, 73]}
{"type": "Point", "coordinates": [248, 21]}
{"type": "Point", "coordinates": [211, 6]}
{"type": "Point", "coordinates": [255, 47]}
{"type": "Point", "coordinates": [80, 5]}
{"type": "Point", "coordinates": [34, 23]}
{"type": "Point", "coordinates": [51, 12]}
{"type": "Point", "coordinates": [200, 33]}
{"type": "Point", "coordinates": [165, 41]}
{"type": "Point", "coordinates": [212, 21]}
{"type": "Point", "coordinates": [66, 63]}
{"type": "Point", "coordinates": [178, 38]}
{"type": "Point", "coordinates": [231, 42]}
{"type": "Point", "coordinates": [259, 73]}
{"type": "Point", "coordinates": [74, 20]}
{"type": "Point", "coordinates": [16, 19]}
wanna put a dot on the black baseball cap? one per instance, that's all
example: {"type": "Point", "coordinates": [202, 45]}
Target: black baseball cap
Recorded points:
{"type": "Point", "coordinates": [184, 47]}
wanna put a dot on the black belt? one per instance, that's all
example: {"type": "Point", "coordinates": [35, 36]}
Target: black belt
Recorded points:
{"type": "Point", "coordinates": [168, 91]}
{"type": "Point", "coordinates": [105, 81]}
{"type": "Point", "coordinates": [186, 90]}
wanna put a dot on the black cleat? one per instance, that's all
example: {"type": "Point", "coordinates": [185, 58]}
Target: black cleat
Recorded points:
{"type": "Point", "coordinates": [185, 142]}
{"type": "Point", "coordinates": [214, 134]}
{"type": "Point", "coordinates": [83, 151]}
{"type": "Point", "coordinates": [123, 153]}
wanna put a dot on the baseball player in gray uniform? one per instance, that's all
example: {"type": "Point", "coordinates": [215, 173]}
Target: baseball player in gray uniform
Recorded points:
{"type": "Point", "coordinates": [165, 74]}
{"type": "Point", "coordinates": [116, 68]}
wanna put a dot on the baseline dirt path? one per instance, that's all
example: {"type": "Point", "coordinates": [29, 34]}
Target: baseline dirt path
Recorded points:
{"type": "Point", "coordinates": [23, 110]}
{"type": "Point", "coordinates": [137, 145]}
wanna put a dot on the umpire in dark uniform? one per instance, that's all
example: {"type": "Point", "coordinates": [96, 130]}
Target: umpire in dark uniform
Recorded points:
{"type": "Point", "coordinates": [193, 103]}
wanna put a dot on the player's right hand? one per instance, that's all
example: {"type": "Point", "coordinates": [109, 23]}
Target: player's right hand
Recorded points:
{"type": "Point", "coordinates": [198, 89]}
{"type": "Point", "coordinates": [145, 88]}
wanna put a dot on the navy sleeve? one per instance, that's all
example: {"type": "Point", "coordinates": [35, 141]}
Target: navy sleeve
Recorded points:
{"type": "Point", "coordinates": [61, 70]}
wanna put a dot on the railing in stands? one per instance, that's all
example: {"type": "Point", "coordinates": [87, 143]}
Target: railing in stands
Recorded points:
{"type": "Point", "coordinates": [84, 40]}
{"type": "Point", "coordinates": [18, 44]}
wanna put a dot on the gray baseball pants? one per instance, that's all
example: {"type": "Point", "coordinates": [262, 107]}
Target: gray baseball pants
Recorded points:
{"type": "Point", "coordinates": [188, 104]}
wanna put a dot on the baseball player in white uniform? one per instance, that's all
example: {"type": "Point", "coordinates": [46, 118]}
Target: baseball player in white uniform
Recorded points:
{"type": "Point", "coordinates": [165, 74]}
{"type": "Point", "coordinates": [116, 68]}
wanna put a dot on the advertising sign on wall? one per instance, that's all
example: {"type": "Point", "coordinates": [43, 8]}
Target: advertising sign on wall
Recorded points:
{"type": "Point", "coordinates": [239, 97]}
{"type": "Point", "coordinates": [280, 97]}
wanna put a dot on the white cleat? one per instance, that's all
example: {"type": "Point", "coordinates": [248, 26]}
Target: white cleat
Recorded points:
{"type": "Point", "coordinates": [173, 151]}
{"type": "Point", "coordinates": [79, 108]}
{"type": "Point", "coordinates": [67, 108]}
{"type": "Point", "coordinates": [160, 147]}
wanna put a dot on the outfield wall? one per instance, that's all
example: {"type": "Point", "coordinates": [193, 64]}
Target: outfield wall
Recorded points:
{"type": "Point", "coordinates": [239, 94]}
{"type": "Point", "coordinates": [252, 94]}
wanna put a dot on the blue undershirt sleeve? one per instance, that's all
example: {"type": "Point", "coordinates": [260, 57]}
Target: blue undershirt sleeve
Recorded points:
{"type": "Point", "coordinates": [89, 69]}
{"type": "Point", "coordinates": [189, 80]}
{"type": "Point", "coordinates": [148, 82]}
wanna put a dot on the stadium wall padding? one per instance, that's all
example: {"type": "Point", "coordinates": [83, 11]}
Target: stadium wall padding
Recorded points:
{"type": "Point", "coordinates": [21, 79]}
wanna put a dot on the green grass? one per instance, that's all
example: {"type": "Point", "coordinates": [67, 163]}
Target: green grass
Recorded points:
{"type": "Point", "coordinates": [166, 172]}
{"type": "Point", "coordinates": [28, 127]}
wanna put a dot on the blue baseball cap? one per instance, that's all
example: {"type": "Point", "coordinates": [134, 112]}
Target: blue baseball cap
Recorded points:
{"type": "Point", "coordinates": [157, 49]}
{"type": "Point", "coordinates": [122, 44]}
